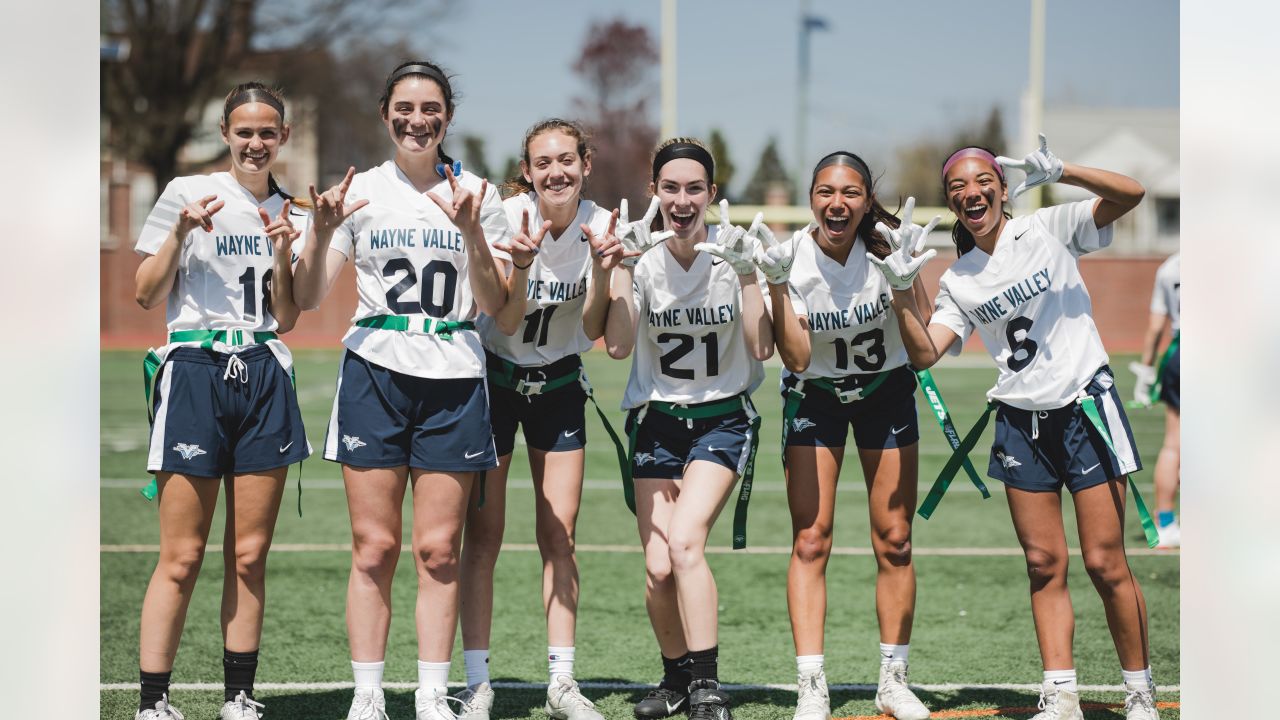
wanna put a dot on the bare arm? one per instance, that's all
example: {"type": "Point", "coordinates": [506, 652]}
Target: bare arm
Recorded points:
{"type": "Point", "coordinates": [155, 275]}
{"type": "Point", "coordinates": [487, 282]}
{"type": "Point", "coordinates": [757, 329]}
{"type": "Point", "coordinates": [1151, 340]}
{"type": "Point", "coordinates": [1117, 194]}
{"type": "Point", "coordinates": [926, 343]}
{"type": "Point", "coordinates": [790, 331]}
{"type": "Point", "coordinates": [606, 253]}
{"type": "Point", "coordinates": [523, 248]}
{"type": "Point", "coordinates": [623, 316]}
{"type": "Point", "coordinates": [318, 264]}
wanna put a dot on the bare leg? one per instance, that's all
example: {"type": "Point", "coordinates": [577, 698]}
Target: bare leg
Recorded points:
{"type": "Point", "coordinates": [482, 540]}
{"type": "Point", "coordinates": [374, 500]}
{"type": "Point", "coordinates": [706, 488]}
{"type": "Point", "coordinates": [1037, 518]}
{"type": "Point", "coordinates": [253, 504]}
{"type": "Point", "coordinates": [1169, 462]}
{"type": "Point", "coordinates": [557, 483]}
{"type": "Point", "coordinates": [655, 503]}
{"type": "Point", "coordinates": [439, 506]}
{"type": "Point", "coordinates": [1100, 516]}
{"type": "Point", "coordinates": [812, 475]}
{"type": "Point", "coordinates": [891, 500]}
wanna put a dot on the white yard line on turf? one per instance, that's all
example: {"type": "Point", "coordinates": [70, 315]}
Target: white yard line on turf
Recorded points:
{"type": "Point", "coordinates": [635, 549]}
{"type": "Point", "coordinates": [594, 685]}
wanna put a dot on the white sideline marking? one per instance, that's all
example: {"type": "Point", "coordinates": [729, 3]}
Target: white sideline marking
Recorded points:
{"type": "Point", "coordinates": [850, 485]}
{"type": "Point", "coordinates": [594, 685]}
{"type": "Point", "coordinates": [636, 550]}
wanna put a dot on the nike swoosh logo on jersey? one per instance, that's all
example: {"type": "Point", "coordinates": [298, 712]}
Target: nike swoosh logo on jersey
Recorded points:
{"type": "Point", "coordinates": [571, 434]}
{"type": "Point", "coordinates": [475, 454]}
{"type": "Point", "coordinates": [1019, 235]}
{"type": "Point", "coordinates": [1090, 469]}
{"type": "Point", "coordinates": [285, 448]}
{"type": "Point", "coordinates": [297, 214]}
{"type": "Point", "coordinates": [717, 262]}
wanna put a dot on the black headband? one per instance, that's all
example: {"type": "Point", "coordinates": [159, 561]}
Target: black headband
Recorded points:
{"type": "Point", "coordinates": [687, 151]}
{"type": "Point", "coordinates": [416, 69]}
{"type": "Point", "coordinates": [252, 95]}
{"type": "Point", "coordinates": [845, 159]}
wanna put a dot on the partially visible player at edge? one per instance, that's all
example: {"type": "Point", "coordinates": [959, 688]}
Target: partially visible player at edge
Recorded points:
{"type": "Point", "coordinates": [1017, 283]}
{"type": "Point", "coordinates": [217, 248]}
{"type": "Point", "coordinates": [845, 365]}
{"type": "Point", "coordinates": [693, 312]}
{"type": "Point", "coordinates": [1164, 310]}
{"type": "Point", "coordinates": [555, 310]}
{"type": "Point", "coordinates": [429, 242]}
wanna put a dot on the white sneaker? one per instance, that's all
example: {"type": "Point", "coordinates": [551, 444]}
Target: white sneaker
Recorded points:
{"type": "Point", "coordinates": [813, 701]}
{"type": "Point", "coordinates": [368, 704]}
{"type": "Point", "coordinates": [1058, 704]}
{"type": "Point", "coordinates": [1170, 536]}
{"type": "Point", "coordinates": [1140, 702]}
{"type": "Point", "coordinates": [242, 707]}
{"type": "Point", "coordinates": [162, 711]}
{"type": "Point", "coordinates": [566, 702]}
{"type": "Point", "coordinates": [433, 704]}
{"type": "Point", "coordinates": [476, 702]}
{"type": "Point", "coordinates": [893, 697]}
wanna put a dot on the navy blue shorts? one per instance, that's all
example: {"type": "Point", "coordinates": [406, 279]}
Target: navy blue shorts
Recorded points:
{"type": "Point", "coordinates": [666, 444]}
{"type": "Point", "coordinates": [382, 418]}
{"type": "Point", "coordinates": [553, 421]}
{"type": "Point", "coordinates": [208, 426]}
{"type": "Point", "coordinates": [884, 419]}
{"type": "Point", "coordinates": [1169, 380]}
{"type": "Point", "coordinates": [1045, 450]}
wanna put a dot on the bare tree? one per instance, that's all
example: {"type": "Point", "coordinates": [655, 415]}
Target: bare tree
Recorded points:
{"type": "Point", "coordinates": [616, 64]}
{"type": "Point", "coordinates": [916, 172]}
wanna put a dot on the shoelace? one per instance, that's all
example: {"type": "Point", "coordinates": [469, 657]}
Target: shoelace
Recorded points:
{"type": "Point", "coordinates": [812, 696]}
{"type": "Point", "coordinates": [368, 708]}
{"type": "Point", "coordinates": [1141, 698]}
{"type": "Point", "coordinates": [897, 684]}
{"type": "Point", "coordinates": [248, 704]}
{"type": "Point", "coordinates": [572, 694]}
{"type": "Point", "coordinates": [236, 369]}
{"type": "Point", "coordinates": [165, 709]}
{"type": "Point", "coordinates": [1047, 701]}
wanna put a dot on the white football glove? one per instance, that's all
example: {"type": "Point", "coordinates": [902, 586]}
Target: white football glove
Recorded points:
{"type": "Point", "coordinates": [732, 244]}
{"type": "Point", "coordinates": [903, 264]}
{"type": "Point", "coordinates": [772, 257]}
{"type": "Point", "coordinates": [1040, 166]}
{"type": "Point", "coordinates": [1146, 375]}
{"type": "Point", "coordinates": [636, 237]}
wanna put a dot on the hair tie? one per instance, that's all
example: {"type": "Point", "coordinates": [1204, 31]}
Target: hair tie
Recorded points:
{"type": "Point", "coordinates": [457, 169]}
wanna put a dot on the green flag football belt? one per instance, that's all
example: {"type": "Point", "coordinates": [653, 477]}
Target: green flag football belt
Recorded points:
{"type": "Point", "coordinates": [1153, 395]}
{"type": "Point", "coordinates": [689, 413]}
{"type": "Point", "coordinates": [416, 323]}
{"type": "Point", "coordinates": [943, 416]}
{"type": "Point", "coordinates": [796, 393]}
{"type": "Point", "coordinates": [1090, 408]}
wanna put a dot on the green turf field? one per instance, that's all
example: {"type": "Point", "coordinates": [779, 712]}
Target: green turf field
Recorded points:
{"type": "Point", "coordinates": [973, 625]}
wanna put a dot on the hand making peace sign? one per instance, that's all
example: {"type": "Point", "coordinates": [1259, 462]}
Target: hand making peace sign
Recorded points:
{"type": "Point", "coordinates": [524, 247]}
{"type": "Point", "coordinates": [330, 209]}
{"type": "Point", "coordinates": [606, 250]}
{"type": "Point", "coordinates": [772, 257]}
{"type": "Point", "coordinates": [636, 237]}
{"type": "Point", "coordinates": [280, 231]}
{"type": "Point", "coordinates": [902, 264]}
{"type": "Point", "coordinates": [732, 244]}
{"type": "Point", "coordinates": [464, 211]}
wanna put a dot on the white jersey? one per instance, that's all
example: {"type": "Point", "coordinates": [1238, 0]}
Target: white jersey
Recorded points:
{"type": "Point", "coordinates": [1030, 305]}
{"type": "Point", "coordinates": [852, 327]}
{"type": "Point", "coordinates": [689, 344]}
{"type": "Point", "coordinates": [411, 260]}
{"type": "Point", "coordinates": [1165, 297]}
{"type": "Point", "coordinates": [556, 290]}
{"type": "Point", "coordinates": [224, 276]}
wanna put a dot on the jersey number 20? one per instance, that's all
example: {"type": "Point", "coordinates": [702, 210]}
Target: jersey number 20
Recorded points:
{"type": "Point", "coordinates": [441, 270]}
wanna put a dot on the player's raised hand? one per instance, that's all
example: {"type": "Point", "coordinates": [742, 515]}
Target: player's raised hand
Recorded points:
{"type": "Point", "coordinates": [1145, 378]}
{"type": "Point", "coordinates": [280, 232]}
{"type": "Point", "coordinates": [1041, 167]}
{"type": "Point", "coordinates": [772, 257]}
{"type": "Point", "coordinates": [606, 249]}
{"type": "Point", "coordinates": [903, 263]}
{"type": "Point", "coordinates": [198, 214]}
{"type": "Point", "coordinates": [524, 246]}
{"type": "Point", "coordinates": [330, 208]}
{"type": "Point", "coordinates": [636, 237]}
{"type": "Point", "coordinates": [732, 244]}
{"type": "Point", "coordinates": [464, 211]}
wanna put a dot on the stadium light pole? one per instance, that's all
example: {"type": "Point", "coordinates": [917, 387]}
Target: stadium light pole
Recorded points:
{"type": "Point", "coordinates": [808, 23]}
{"type": "Point", "coordinates": [668, 73]}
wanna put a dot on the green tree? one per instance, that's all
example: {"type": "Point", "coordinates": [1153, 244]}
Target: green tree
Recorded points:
{"type": "Point", "coordinates": [719, 148]}
{"type": "Point", "coordinates": [770, 175]}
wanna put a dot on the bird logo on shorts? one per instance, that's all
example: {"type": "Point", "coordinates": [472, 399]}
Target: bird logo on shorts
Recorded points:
{"type": "Point", "coordinates": [644, 457]}
{"type": "Point", "coordinates": [352, 442]}
{"type": "Point", "coordinates": [188, 451]}
{"type": "Point", "coordinates": [799, 424]}
{"type": "Point", "coordinates": [1008, 460]}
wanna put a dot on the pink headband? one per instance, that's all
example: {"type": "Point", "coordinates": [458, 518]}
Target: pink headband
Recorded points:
{"type": "Point", "coordinates": [971, 152]}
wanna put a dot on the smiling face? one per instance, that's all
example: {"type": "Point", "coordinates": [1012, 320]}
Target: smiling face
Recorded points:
{"type": "Point", "coordinates": [555, 169]}
{"type": "Point", "coordinates": [839, 201]}
{"type": "Point", "coordinates": [976, 195]}
{"type": "Point", "coordinates": [417, 116]}
{"type": "Point", "coordinates": [253, 134]}
{"type": "Point", "coordinates": [684, 192]}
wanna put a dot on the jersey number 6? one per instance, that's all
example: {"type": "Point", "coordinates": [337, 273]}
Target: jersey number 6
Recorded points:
{"type": "Point", "coordinates": [431, 272]}
{"type": "Point", "coordinates": [1021, 347]}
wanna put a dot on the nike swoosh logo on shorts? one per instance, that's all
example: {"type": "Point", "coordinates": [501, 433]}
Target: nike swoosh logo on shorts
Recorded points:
{"type": "Point", "coordinates": [571, 434]}
{"type": "Point", "coordinates": [895, 431]}
{"type": "Point", "coordinates": [475, 454]}
{"type": "Point", "coordinates": [286, 447]}
{"type": "Point", "coordinates": [1086, 471]}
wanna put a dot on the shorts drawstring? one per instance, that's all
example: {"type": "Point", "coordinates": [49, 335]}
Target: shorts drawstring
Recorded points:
{"type": "Point", "coordinates": [1035, 423]}
{"type": "Point", "coordinates": [236, 369]}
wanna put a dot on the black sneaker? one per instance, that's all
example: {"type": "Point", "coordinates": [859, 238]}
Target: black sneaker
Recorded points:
{"type": "Point", "coordinates": [661, 702]}
{"type": "Point", "coordinates": [707, 701]}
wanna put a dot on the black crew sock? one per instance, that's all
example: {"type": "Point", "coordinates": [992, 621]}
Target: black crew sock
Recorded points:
{"type": "Point", "coordinates": [154, 687]}
{"type": "Point", "coordinates": [704, 664]}
{"type": "Point", "coordinates": [675, 673]}
{"type": "Point", "coordinates": [238, 670]}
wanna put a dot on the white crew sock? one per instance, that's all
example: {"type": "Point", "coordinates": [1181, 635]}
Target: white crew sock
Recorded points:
{"type": "Point", "coordinates": [367, 674]}
{"type": "Point", "coordinates": [1062, 679]}
{"type": "Point", "coordinates": [1136, 678]}
{"type": "Point", "coordinates": [809, 664]}
{"type": "Point", "coordinates": [433, 674]}
{"type": "Point", "coordinates": [893, 653]}
{"type": "Point", "coordinates": [559, 661]}
{"type": "Point", "coordinates": [477, 662]}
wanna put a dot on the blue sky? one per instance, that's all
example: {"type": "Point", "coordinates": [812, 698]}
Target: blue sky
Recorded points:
{"type": "Point", "coordinates": [883, 74]}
